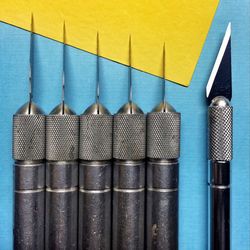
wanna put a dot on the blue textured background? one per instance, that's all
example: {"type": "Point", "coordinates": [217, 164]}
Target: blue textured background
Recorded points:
{"type": "Point", "coordinates": [80, 80]}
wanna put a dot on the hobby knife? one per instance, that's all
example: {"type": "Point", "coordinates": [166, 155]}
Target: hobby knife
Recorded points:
{"type": "Point", "coordinates": [220, 134]}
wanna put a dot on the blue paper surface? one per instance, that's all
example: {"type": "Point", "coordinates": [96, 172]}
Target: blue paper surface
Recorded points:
{"type": "Point", "coordinates": [80, 92]}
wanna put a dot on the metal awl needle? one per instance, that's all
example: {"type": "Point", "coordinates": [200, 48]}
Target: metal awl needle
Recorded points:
{"type": "Point", "coordinates": [97, 73]}
{"type": "Point", "coordinates": [129, 149]}
{"type": "Point", "coordinates": [31, 61]}
{"type": "Point", "coordinates": [164, 76]}
{"type": "Point", "coordinates": [163, 151]}
{"type": "Point", "coordinates": [95, 168]}
{"type": "Point", "coordinates": [130, 97]}
{"type": "Point", "coordinates": [63, 69]}
{"type": "Point", "coordinates": [62, 138]}
{"type": "Point", "coordinates": [29, 155]}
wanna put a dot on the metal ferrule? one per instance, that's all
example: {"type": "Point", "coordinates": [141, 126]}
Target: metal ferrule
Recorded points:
{"type": "Point", "coordinates": [28, 137]}
{"type": "Point", "coordinates": [129, 136]}
{"type": "Point", "coordinates": [163, 151]}
{"type": "Point", "coordinates": [29, 154]}
{"type": "Point", "coordinates": [129, 149]}
{"type": "Point", "coordinates": [95, 170]}
{"type": "Point", "coordinates": [96, 137]}
{"type": "Point", "coordinates": [163, 135]}
{"type": "Point", "coordinates": [62, 136]}
{"type": "Point", "coordinates": [220, 122]}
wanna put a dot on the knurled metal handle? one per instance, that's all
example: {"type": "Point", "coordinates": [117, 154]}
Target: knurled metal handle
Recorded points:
{"type": "Point", "coordinates": [96, 137]}
{"type": "Point", "coordinates": [163, 135]}
{"type": "Point", "coordinates": [129, 136]}
{"type": "Point", "coordinates": [28, 137]}
{"type": "Point", "coordinates": [62, 136]}
{"type": "Point", "coordinates": [220, 133]}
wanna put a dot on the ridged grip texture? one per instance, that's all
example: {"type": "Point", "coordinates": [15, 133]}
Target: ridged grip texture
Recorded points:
{"type": "Point", "coordinates": [96, 137]}
{"type": "Point", "coordinates": [129, 136]}
{"type": "Point", "coordinates": [220, 133]}
{"type": "Point", "coordinates": [28, 137]}
{"type": "Point", "coordinates": [163, 135]}
{"type": "Point", "coordinates": [62, 136]}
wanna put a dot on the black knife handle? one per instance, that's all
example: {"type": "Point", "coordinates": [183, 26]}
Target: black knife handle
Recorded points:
{"type": "Point", "coordinates": [220, 206]}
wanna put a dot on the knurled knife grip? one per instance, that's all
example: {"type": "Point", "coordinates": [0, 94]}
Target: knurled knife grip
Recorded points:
{"type": "Point", "coordinates": [163, 151]}
{"type": "Point", "coordinates": [220, 119]}
{"type": "Point", "coordinates": [29, 168]}
{"type": "Point", "coordinates": [62, 135]}
{"type": "Point", "coordinates": [129, 149]}
{"type": "Point", "coordinates": [95, 171]}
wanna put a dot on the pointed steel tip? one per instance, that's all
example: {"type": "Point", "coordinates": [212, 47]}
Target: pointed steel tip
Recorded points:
{"type": "Point", "coordinates": [64, 31]}
{"type": "Point", "coordinates": [97, 38]}
{"type": "Point", "coordinates": [97, 43]}
{"type": "Point", "coordinates": [130, 50]}
{"type": "Point", "coordinates": [163, 54]}
{"type": "Point", "coordinates": [130, 41]}
{"type": "Point", "coordinates": [32, 22]}
{"type": "Point", "coordinates": [164, 51]}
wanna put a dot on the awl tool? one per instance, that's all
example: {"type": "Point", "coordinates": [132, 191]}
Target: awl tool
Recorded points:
{"type": "Point", "coordinates": [62, 135]}
{"type": "Point", "coordinates": [129, 149]}
{"type": "Point", "coordinates": [220, 119]}
{"type": "Point", "coordinates": [95, 153]}
{"type": "Point", "coordinates": [29, 156]}
{"type": "Point", "coordinates": [163, 151]}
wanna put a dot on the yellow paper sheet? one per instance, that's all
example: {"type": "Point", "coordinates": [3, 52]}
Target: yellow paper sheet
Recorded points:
{"type": "Point", "coordinates": [181, 24]}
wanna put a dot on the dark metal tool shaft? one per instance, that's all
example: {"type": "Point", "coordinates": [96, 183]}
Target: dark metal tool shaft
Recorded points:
{"type": "Point", "coordinates": [163, 150]}
{"type": "Point", "coordinates": [29, 155]}
{"type": "Point", "coordinates": [219, 93]}
{"type": "Point", "coordinates": [62, 132]}
{"type": "Point", "coordinates": [129, 175]}
{"type": "Point", "coordinates": [95, 174]}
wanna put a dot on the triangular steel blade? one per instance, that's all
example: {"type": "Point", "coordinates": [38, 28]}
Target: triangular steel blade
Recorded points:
{"type": "Point", "coordinates": [220, 80]}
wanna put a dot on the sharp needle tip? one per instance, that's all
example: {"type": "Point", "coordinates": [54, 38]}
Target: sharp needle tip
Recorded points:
{"type": "Point", "coordinates": [130, 72]}
{"type": "Point", "coordinates": [97, 72]}
{"type": "Point", "coordinates": [63, 70]}
{"type": "Point", "coordinates": [164, 74]}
